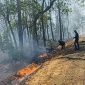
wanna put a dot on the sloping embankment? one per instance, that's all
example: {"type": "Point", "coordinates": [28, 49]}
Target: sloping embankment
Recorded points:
{"type": "Point", "coordinates": [62, 70]}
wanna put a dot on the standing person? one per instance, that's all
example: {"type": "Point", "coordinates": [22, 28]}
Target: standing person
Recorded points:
{"type": "Point", "coordinates": [76, 42]}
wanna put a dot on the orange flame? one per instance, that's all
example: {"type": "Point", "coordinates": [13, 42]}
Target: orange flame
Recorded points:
{"type": "Point", "coordinates": [27, 70]}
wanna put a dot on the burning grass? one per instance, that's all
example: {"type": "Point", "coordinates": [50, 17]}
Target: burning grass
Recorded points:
{"type": "Point", "coordinates": [27, 70]}
{"type": "Point", "coordinates": [21, 75]}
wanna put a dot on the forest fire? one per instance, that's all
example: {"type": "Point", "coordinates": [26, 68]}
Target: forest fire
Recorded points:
{"type": "Point", "coordinates": [32, 68]}
{"type": "Point", "coordinates": [21, 75]}
{"type": "Point", "coordinates": [28, 70]}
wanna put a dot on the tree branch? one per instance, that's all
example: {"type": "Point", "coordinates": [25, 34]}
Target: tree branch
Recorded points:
{"type": "Point", "coordinates": [46, 9]}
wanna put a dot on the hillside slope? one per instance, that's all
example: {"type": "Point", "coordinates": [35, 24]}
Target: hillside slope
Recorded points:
{"type": "Point", "coordinates": [62, 70]}
{"type": "Point", "coordinates": [66, 68]}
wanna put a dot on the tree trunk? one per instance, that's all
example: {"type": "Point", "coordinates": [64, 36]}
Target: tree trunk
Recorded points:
{"type": "Point", "coordinates": [68, 25]}
{"type": "Point", "coordinates": [51, 27]}
{"type": "Point", "coordinates": [47, 32]}
{"type": "Point", "coordinates": [35, 32]}
{"type": "Point", "coordinates": [11, 29]}
{"type": "Point", "coordinates": [63, 31]}
{"type": "Point", "coordinates": [15, 42]}
{"type": "Point", "coordinates": [60, 20]}
{"type": "Point", "coordinates": [20, 30]}
{"type": "Point", "coordinates": [44, 40]}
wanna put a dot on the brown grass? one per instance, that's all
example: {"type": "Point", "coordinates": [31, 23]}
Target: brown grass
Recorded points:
{"type": "Point", "coordinates": [66, 68]}
{"type": "Point", "coordinates": [60, 72]}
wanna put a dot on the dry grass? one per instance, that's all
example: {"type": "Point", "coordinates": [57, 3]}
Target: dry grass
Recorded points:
{"type": "Point", "coordinates": [61, 72]}
{"type": "Point", "coordinates": [67, 68]}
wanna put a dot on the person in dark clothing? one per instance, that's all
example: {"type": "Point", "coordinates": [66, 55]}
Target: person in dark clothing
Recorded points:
{"type": "Point", "coordinates": [76, 42]}
{"type": "Point", "coordinates": [62, 44]}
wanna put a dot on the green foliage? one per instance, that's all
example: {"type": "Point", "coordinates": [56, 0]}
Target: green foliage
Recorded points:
{"type": "Point", "coordinates": [24, 20]}
{"type": "Point", "coordinates": [12, 8]}
{"type": "Point", "coordinates": [29, 9]}
{"type": "Point", "coordinates": [81, 2]}
{"type": "Point", "coordinates": [45, 18]}
{"type": "Point", "coordinates": [24, 5]}
{"type": "Point", "coordinates": [64, 6]}
{"type": "Point", "coordinates": [2, 9]}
